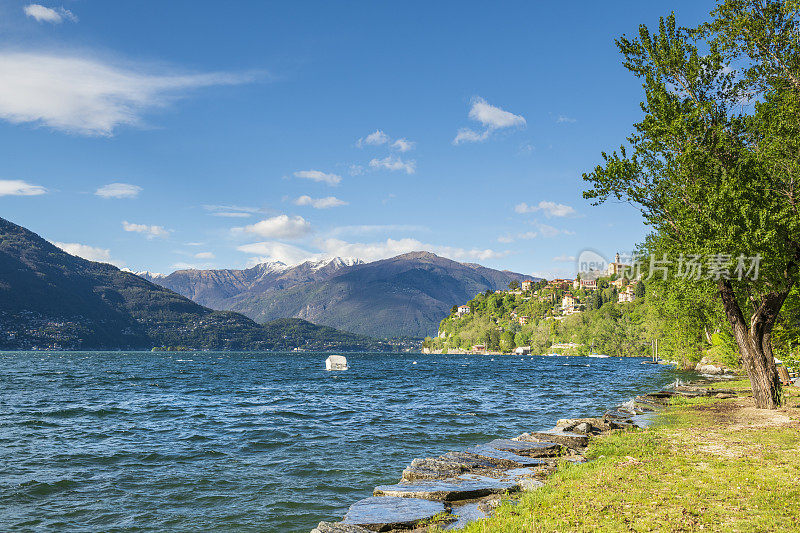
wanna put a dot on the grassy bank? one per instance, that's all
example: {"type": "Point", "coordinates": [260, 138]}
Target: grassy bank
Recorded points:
{"type": "Point", "coordinates": [707, 464]}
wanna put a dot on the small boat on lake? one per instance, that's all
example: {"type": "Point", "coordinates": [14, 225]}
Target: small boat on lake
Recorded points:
{"type": "Point", "coordinates": [336, 362]}
{"type": "Point", "coordinates": [598, 356]}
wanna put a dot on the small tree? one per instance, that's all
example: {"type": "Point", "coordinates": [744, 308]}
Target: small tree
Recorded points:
{"type": "Point", "coordinates": [494, 339]}
{"type": "Point", "coordinates": [507, 341]}
{"type": "Point", "coordinates": [513, 285]}
{"type": "Point", "coordinates": [639, 290]}
{"type": "Point", "coordinates": [711, 179]}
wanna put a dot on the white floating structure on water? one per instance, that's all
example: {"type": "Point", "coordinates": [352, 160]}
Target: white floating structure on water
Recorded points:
{"type": "Point", "coordinates": [336, 362]}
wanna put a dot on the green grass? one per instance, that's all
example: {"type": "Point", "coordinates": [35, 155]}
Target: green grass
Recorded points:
{"type": "Point", "coordinates": [737, 384]}
{"type": "Point", "coordinates": [706, 465]}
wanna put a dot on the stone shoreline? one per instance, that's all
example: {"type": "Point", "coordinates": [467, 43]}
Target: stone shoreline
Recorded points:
{"type": "Point", "coordinates": [460, 487]}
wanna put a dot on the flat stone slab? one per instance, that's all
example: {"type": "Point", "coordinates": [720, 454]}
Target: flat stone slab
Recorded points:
{"type": "Point", "coordinates": [689, 389]}
{"type": "Point", "coordinates": [595, 425]}
{"type": "Point", "coordinates": [503, 458]}
{"type": "Point", "coordinates": [448, 490]}
{"type": "Point", "coordinates": [528, 449]}
{"type": "Point", "coordinates": [384, 513]}
{"type": "Point", "coordinates": [338, 527]}
{"type": "Point", "coordinates": [661, 397]}
{"type": "Point", "coordinates": [618, 415]}
{"type": "Point", "coordinates": [465, 514]}
{"type": "Point", "coordinates": [570, 440]}
{"type": "Point", "coordinates": [449, 465]}
{"type": "Point", "coordinates": [647, 407]}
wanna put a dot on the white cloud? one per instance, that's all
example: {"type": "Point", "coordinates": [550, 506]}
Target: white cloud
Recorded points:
{"type": "Point", "coordinates": [563, 119]}
{"type": "Point", "coordinates": [118, 190]}
{"type": "Point", "coordinates": [356, 170]}
{"type": "Point", "coordinates": [204, 255]}
{"type": "Point", "coordinates": [231, 214]}
{"type": "Point", "coordinates": [87, 96]}
{"type": "Point", "coordinates": [320, 203]}
{"type": "Point", "coordinates": [316, 175]}
{"type": "Point", "coordinates": [466, 135]}
{"type": "Point", "coordinates": [91, 253]}
{"type": "Point", "coordinates": [550, 231]}
{"type": "Point", "coordinates": [268, 251]}
{"type": "Point", "coordinates": [46, 14]}
{"type": "Point", "coordinates": [394, 163]}
{"type": "Point", "coordinates": [278, 227]}
{"type": "Point", "coordinates": [524, 236]}
{"type": "Point", "coordinates": [491, 117]}
{"type": "Point", "coordinates": [403, 145]}
{"type": "Point", "coordinates": [231, 211]}
{"type": "Point", "coordinates": [550, 209]}
{"type": "Point", "coordinates": [542, 230]}
{"type": "Point", "coordinates": [376, 138]}
{"type": "Point", "coordinates": [151, 231]}
{"type": "Point", "coordinates": [564, 259]}
{"type": "Point", "coordinates": [20, 188]}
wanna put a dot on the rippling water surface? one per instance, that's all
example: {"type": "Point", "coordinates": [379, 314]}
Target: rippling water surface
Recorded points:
{"type": "Point", "coordinates": [135, 441]}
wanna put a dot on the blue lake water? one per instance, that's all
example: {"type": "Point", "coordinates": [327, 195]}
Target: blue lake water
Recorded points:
{"type": "Point", "coordinates": [139, 441]}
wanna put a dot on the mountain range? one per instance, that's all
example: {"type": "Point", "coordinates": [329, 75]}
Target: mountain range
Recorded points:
{"type": "Point", "coordinates": [51, 299]}
{"type": "Point", "coordinates": [405, 296]}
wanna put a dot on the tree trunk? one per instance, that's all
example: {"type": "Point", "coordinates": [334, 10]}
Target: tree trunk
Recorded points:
{"type": "Point", "coordinates": [755, 343]}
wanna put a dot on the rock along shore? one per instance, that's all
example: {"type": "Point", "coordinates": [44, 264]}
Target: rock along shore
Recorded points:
{"type": "Point", "coordinates": [459, 487]}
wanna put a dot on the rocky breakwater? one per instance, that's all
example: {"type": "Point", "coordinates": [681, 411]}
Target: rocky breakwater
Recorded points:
{"type": "Point", "coordinates": [461, 486]}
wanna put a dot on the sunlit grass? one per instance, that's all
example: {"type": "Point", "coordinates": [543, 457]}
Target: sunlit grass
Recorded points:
{"type": "Point", "coordinates": [737, 384]}
{"type": "Point", "coordinates": [701, 467]}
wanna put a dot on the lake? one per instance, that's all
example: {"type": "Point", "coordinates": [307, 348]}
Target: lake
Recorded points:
{"type": "Point", "coordinates": [235, 441]}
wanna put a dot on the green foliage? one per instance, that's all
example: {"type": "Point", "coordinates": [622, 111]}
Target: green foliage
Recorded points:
{"type": "Point", "coordinates": [614, 329]}
{"type": "Point", "coordinates": [786, 335]}
{"type": "Point", "coordinates": [682, 315]}
{"type": "Point", "coordinates": [723, 349]}
{"type": "Point", "coordinates": [683, 318]}
{"type": "Point", "coordinates": [714, 178]}
{"type": "Point", "coordinates": [640, 290]}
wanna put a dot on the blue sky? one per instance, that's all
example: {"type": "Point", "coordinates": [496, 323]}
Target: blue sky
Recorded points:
{"type": "Point", "coordinates": [166, 135]}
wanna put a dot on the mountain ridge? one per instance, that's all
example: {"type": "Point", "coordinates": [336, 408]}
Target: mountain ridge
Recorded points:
{"type": "Point", "coordinates": [402, 296]}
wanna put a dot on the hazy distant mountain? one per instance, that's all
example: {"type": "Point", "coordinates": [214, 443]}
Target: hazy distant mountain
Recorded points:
{"type": "Point", "coordinates": [218, 288]}
{"type": "Point", "coordinates": [49, 298]}
{"type": "Point", "coordinates": [405, 296]}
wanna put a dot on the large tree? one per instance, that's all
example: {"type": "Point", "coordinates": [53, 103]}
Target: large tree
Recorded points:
{"type": "Point", "coordinates": [713, 163]}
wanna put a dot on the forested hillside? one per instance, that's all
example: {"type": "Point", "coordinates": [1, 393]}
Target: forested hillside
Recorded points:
{"type": "Point", "coordinates": [688, 323]}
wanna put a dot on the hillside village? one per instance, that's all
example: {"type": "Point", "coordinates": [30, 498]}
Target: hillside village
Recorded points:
{"type": "Point", "coordinates": [526, 318]}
